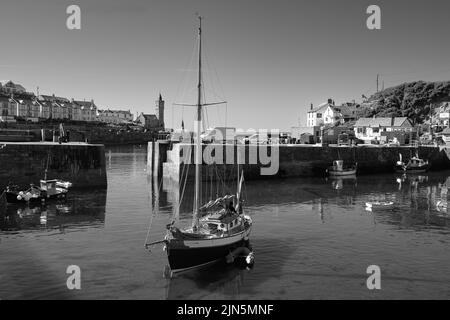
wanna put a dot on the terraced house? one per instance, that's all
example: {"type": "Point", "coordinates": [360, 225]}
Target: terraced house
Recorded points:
{"type": "Point", "coordinates": [25, 107]}
{"type": "Point", "coordinates": [369, 129]}
{"type": "Point", "coordinates": [18, 104]}
{"type": "Point", "coordinates": [88, 110]}
{"type": "Point", "coordinates": [115, 116]}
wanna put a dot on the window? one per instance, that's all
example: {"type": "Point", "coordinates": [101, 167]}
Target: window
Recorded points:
{"type": "Point", "coordinates": [376, 130]}
{"type": "Point", "coordinates": [319, 115]}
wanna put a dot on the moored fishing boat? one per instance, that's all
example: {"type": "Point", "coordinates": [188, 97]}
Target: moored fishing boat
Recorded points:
{"type": "Point", "coordinates": [48, 190]}
{"type": "Point", "coordinates": [414, 165]}
{"type": "Point", "coordinates": [338, 169]}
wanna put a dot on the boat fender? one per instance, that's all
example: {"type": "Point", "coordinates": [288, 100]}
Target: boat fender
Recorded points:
{"type": "Point", "coordinates": [238, 252]}
{"type": "Point", "coordinates": [27, 196]}
{"type": "Point", "coordinates": [250, 259]}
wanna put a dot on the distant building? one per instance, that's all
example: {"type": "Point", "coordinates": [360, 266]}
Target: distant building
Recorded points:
{"type": "Point", "coordinates": [8, 87]}
{"type": "Point", "coordinates": [6, 109]}
{"type": "Point", "coordinates": [53, 107]}
{"type": "Point", "coordinates": [45, 107]}
{"type": "Point", "coordinates": [115, 116]}
{"type": "Point", "coordinates": [347, 111]}
{"type": "Point", "coordinates": [325, 113]}
{"type": "Point", "coordinates": [7, 106]}
{"type": "Point", "coordinates": [149, 121]}
{"type": "Point", "coordinates": [153, 121]}
{"type": "Point", "coordinates": [159, 111]}
{"type": "Point", "coordinates": [373, 128]}
{"type": "Point", "coordinates": [88, 110]}
{"type": "Point", "coordinates": [25, 106]}
{"type": "Point", "coordinates": [75, 112]}
{"type": "Point", "coordinates": [315, 132]}
{"type": "Point", "coordinates": [443, 112]}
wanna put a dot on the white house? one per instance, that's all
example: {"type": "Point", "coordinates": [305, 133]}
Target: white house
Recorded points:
{"type": "Point", "coordinates": [444, 114]}
{"type": "Point", "coordinates": [372, 128]}
{"type": "Point", "coordinates": [325, 113]}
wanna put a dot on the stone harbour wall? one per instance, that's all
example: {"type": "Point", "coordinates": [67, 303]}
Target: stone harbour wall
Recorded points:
{"type": "Point", "coordinates": [24, 163]}
{"type": "Point", "coordinates": [293, 160]}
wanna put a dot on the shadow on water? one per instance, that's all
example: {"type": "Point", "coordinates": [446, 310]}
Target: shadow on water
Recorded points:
{"type": "Point", "coordinates": [229, 281]}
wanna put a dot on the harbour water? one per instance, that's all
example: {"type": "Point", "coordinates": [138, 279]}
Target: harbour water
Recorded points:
{"type": "Point", "coordinates": [312, 238]}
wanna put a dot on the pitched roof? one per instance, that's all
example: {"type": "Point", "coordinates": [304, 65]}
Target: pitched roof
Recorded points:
{"type": "Point", "coordinates": [115, 111]}
{"type": "Point", "coordinates": [321, 107]}
{"type": "Point", "coordinates": [52, 98]}
{"type": "Point", "coordinates": [347, 110]}
{"type": "Point", "coordinates": [149, 116]}
{"type": "Point", "coordinates": [381, 122]}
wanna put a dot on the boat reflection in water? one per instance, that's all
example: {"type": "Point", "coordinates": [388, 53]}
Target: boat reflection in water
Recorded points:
{"type": "Point", "coordinates": [82, 209]}
{"type": "Point", "coordinates": [212, 282]}
{"type": "Point", "coordinates": [338, 182]}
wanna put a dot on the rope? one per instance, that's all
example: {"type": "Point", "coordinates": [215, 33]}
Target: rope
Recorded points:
{"type": "Point", "coordinates": [153, 214]}
{"type": "Point", "coordinates": [184, 186]}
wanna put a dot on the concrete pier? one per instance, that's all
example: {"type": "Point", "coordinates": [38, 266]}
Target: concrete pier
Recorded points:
{"type": "Point", "coordinates": [23, 163]}
{"type": "Point", "coordinates": [293, 160]}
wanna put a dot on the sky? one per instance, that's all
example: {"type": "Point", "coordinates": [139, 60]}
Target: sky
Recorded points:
{"type": "Point", "coordinates": [268, 59]}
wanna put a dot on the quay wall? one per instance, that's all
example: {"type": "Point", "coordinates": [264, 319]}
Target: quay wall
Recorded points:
{"type": "Point", "coordinates": [293, 160]}
{"type": "Point", "coordinates": [98, 133]}
{"type": "Point", "coordinates": [24, 163]}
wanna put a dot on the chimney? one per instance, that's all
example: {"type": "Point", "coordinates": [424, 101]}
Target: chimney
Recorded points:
{"type": "Point", "coordinates": [330, 101]}
{"type": "Point", "coordinates": [312, 106]}
{"type": "Point", "coordinates": [392, 121]}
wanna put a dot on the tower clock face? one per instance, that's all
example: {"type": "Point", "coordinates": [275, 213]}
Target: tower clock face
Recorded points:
{"type": "Point", "coordinates": [245, 151]}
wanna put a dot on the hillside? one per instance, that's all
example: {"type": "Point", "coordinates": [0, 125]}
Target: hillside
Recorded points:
{"type": "Point", "coordinates": [411, 100]}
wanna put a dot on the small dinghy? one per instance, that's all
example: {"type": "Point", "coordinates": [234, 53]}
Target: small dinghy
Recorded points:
{"type": "Point", "coordinates": [379, 205]}
{"type": "Point", "coordinates": [48, 190]}
{"type": "Point", "coordinates": [338, 169]}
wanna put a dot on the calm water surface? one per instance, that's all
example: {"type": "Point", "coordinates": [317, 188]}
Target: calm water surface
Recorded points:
{"type": "Point", "coordinates": [312, 238]}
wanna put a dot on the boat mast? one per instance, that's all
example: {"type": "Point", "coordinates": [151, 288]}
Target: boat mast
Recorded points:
{"type": "Point", "coordinates": [198, 151]}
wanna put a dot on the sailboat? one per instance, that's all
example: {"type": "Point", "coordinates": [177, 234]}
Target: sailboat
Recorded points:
{"type": "Point", "coordinates": [220, 229]}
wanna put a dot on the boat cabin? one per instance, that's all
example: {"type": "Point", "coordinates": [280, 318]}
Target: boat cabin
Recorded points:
{"type": "Point", "coordinates": [225, 222]}
{"type": "Point", "coordinates": [49, 186]}
{"type": "Point", "coordinates": [417, 162]}
{"type": "Point", "coordinates": [338, 165]}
